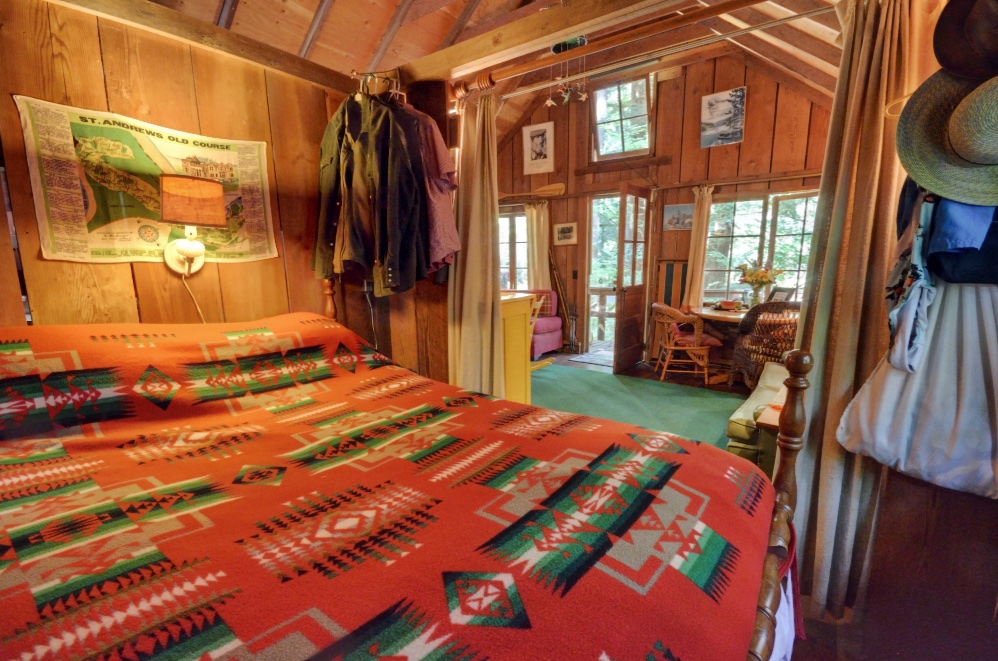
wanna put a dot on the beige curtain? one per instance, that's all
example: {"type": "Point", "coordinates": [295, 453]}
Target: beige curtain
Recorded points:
{"type": "Point", "coordinates": [703, 194]}
{"type": "Point", "coordinates": [844, 318]}
{"type": "Point", "coordinates": [538, 243]}
{"type": "Point", "coordinates": [475, 350]}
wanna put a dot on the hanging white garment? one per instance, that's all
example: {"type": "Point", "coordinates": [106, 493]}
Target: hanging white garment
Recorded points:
{"type": "Point", "coordinates": [940, 423]}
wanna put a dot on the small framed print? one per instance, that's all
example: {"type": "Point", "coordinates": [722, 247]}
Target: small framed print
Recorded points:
{"type": "Point", "coordinates": [538, 148]}
{"type": "Point", "coordinates": [780, 294]}
{"type": "Point", "coordinates": [565, 235]}
{"type": "Point", "coordinates": [677, 217]}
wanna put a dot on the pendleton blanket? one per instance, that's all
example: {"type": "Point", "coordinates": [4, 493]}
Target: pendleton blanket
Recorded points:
{"type": "Point", "coordinates": [280, 490]}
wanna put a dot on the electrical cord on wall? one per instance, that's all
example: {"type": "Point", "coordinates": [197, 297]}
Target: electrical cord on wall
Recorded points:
{"type": "Point", "coordinates": [370, 306]}
{"type": "Point", "coordinates": [198, 307]}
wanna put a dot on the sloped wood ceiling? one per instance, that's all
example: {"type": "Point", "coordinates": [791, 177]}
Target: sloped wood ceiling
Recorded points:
{"type": "Point", "coordinates": [366, 35]}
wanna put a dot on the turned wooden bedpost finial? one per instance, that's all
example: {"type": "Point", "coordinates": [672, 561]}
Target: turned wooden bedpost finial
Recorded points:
{"type": "Point", "coordinates": [789, 440]}
{"type": "Point", "coordinates": [792, 424]}
{"type": "Point", "coordinates": [329, 292]}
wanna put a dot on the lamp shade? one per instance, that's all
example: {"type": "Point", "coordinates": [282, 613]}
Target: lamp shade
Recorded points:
{"type": "Point", "coordinates": [192, 201]}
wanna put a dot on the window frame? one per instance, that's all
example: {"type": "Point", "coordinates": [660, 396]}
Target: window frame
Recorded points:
{"type": "Point", "coordinates": [512, 212]}
{"type": "Point", "coordinates": [766, 238]}
{"type": "Point", "coordinates": [650, 84]}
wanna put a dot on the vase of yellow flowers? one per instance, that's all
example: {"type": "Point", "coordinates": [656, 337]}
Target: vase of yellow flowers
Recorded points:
{"type": "Point", "coordinates": [757, 277]}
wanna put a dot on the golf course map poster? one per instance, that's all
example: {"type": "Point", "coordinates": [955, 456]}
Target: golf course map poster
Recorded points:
{"type": "Point", "coordinates": [95, 182]}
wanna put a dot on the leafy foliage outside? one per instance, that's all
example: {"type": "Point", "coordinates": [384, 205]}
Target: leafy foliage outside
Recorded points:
{"type": "Point", "coordinates": [622, 118]}
{"type": "Point", "coordinates": [775, 231]}
{"type": "Point", "coordinates": [603, 266]}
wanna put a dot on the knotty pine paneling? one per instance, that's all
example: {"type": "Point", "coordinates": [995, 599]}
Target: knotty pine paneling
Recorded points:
{"type": "Point", "coordinates": [69, 57]}
{"type": "Point", "coordinates": [149, 79]}
{"type": "Point", "coordinates": [297, 114]}
{"type": "Point", "coordinates": [785, 131]}
{"type": "Point", "coordinates": [53, 54]}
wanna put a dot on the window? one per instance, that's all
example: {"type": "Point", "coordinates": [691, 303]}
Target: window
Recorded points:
{"type": "Point", "coordinates": [620, 115]}
{"type": "Point", "coordinates": [512, 250]}
{"type": "Point", "coordinates": [774, 229]}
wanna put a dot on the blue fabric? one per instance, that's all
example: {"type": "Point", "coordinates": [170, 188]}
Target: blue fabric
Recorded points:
{"type": "Point", "coordinates": [957, 226]}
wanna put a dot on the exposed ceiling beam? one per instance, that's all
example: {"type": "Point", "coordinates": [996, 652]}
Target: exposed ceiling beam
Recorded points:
{"type": "Point", "coordinates": [318, 18]}
{"type": "Point", "coordinates": [160, 20]}
{"type": "Point", "coordinates": [226, 14]}
{"type": "Point", "coordinates": [462, 20]}
{"type": "Point", "coordinates": [799, 51]}
{"type": "Point", "coordinates": [792, 62]}
{"type": "Point", "coordinates": [805, 88]}
{"type": "Point", "coordinates": [809, 25]}
{"type": "Point", "coordinates": [740, 37]}
{"type": "Point", "coordinates": [793, 35]}
{"type": "Point", "coordinates": [505, 18]}
{"type": "Point", "coordinates": [389, 34]}
{"type": "Point", "coordinates": [530, 34]}
{"type": "Point", "coordinates": [421, 8]}
{"type": "Point", "coordinates": [829, 20]}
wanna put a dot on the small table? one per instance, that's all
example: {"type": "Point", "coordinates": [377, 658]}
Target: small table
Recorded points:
{"type": "Point", "coordinates": [726, 317]}
{"type": "Point", "coordinates": [723, 316]}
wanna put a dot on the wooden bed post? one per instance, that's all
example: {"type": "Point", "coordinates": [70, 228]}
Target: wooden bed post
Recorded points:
{"type": "Point", "coordinates": [329, 293]}
{"type": "Point", "coordinates": [789, 440]}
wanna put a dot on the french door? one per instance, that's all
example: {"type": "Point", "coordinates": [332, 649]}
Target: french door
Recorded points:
{"type": "Point", "coordinates": [628, 345]}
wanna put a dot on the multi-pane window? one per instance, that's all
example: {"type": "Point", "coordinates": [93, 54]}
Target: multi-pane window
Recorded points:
{"type": "Point", "coordinates": [621, 113]}
{"type": "Point", "coordinates": [773, 230]}
{"type": "Point", "coordinates": [512, 250]}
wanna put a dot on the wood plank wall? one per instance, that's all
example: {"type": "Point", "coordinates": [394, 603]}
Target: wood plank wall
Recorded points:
{"type": "Point", "coordinates": [786, 124]}
{"type": "Point", "coordinates": [69, 57]}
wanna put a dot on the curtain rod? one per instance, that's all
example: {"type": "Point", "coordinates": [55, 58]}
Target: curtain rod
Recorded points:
{"type": "Point", "coordinates": [804, 174]}
{"type": "Point", "coordinates": [647, 58]}
{"type": "Point", "coordinates": [487, 80]}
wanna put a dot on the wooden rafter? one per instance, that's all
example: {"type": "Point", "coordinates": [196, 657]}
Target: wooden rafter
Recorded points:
{"type": "Point", "coordinates": [421, 8]}
{"type": "Point", "coordinates": [829, 20]}
{"type": "Point", "coordinates": [389, 34]}
{"type": "Point", "coordinates": [318, 18]}
{"type": "Point", "coordinates": [789, 33]}
{"type": "Point", "coordinates": [528, 35]}
{"type": "Point", "coordinates": [462, 21]}
{"type": "Point", "coordinates": [227, 13]}
{"type": "Point", "coordinates": [811, 26]}
{"type": "Point", "coordinates": [504, 19]}
{"type": "Point", "coordinates": [161, 20]}
{"type": "Point", "coordinates": [779, 56]}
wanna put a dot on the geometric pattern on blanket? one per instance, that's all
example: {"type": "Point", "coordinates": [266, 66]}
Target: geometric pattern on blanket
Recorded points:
{"type": "Point", "coordinates": [282, 489]}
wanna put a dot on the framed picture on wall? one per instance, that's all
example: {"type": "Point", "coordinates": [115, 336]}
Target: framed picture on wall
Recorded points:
{"type": "Point", "coordinates": [565, 235]}
{"type": "Point", "coordinates": [677, 217]}
{"type": "Point", "coordinates": [722, 118]}
{"type": "Point", "coordinates": [538, 148]}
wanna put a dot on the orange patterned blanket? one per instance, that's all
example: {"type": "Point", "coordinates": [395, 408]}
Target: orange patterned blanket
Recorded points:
{"type": "Point", "coordinates": [281, 489]}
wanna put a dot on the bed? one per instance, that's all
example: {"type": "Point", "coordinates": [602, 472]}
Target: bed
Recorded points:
{"type": "Point", "coordinates": [279, 489]}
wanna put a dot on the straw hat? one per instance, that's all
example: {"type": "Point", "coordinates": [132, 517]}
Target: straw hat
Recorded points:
{"type": "Point", "coordinates": [966, 38]}
{"type": "Point", "coordinates": [947, 138]}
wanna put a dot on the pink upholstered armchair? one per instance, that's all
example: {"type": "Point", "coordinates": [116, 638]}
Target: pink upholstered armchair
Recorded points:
{"type": "Point", "coordinates": [547, 330]}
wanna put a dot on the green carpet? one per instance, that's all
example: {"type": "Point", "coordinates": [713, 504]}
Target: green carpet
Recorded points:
{"type": "Point", "coordinates": [696, 413]}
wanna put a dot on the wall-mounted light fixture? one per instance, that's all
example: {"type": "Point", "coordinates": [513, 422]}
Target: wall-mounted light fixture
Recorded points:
{"type": "Point", "coordinates": [193, 202]}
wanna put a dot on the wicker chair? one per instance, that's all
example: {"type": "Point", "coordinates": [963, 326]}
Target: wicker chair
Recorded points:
{"type": "Point", "coordinates": [766, 332]}
{"type": "Point", "coordinates": [681, 332]}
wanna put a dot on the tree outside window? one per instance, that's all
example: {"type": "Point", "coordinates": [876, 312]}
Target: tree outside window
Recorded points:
{"type": "Point", "coordinates": [621, 113]}
{"type": "Point", "coordinates": [773, 230]}
{"type": "Point", "coordinates": [512, 250]}
{"type": "Point", "coordinates": [603, 267]}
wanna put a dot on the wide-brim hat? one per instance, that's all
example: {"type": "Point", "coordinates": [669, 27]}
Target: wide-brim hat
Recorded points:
{"type": "Point", "coordinates": [965, 40]}
{"type": "Point", "coordinates": [947, 138]}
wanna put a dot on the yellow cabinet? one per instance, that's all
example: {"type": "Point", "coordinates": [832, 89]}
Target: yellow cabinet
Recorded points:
{"type": "Point", "coordinates": [516, 332]}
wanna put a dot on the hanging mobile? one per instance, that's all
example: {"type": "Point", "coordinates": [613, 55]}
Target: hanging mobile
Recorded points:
{"type": "Point", "coordinates": [550, 102]}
